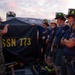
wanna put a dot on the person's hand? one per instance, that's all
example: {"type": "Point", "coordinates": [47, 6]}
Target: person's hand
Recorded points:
{"type": "Point", "coordinates": [70, 42]}
{"type": "Point", "coordinates": [7, 25]}
{"type": "Point", "coordinates": [5, 29]}
{"type": "Point", "coordinates": [65, 39]}
{"type": "Point", "coordinates": [62, 41]}
{"type": "Point", "coordinates": [47, 41]}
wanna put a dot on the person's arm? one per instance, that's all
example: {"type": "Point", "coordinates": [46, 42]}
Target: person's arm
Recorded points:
{"type": "Point", "coordinates": [64, 37]}
{"type": "Point", "coordinates": [47, 41]}
{"type": "Point", "coordinates": [62, 41]}
{"type": "Point", "coordinates": [37, 35]}
{"type": "Point", "coordinates": [5, 29]}
{"type": "Point", "coordinates": [69, 43]}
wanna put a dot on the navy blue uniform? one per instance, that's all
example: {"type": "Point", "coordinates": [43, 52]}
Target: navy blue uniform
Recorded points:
{"type": "Point", "coordinates": [59, 34]}
{"type": "Point", "coordinates": [51, 37]}
{"type": "Point", "coordinates": [58, 52]}
{"type": "Point", "coordinates": [69, 53]}
{"type": "Point", "coordinates": [45, 36]}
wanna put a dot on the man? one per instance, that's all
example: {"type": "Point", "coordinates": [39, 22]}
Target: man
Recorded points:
{"type": "Point", "coordinates": [2, 63]}
{"type": "Point", "coordinates": [57, 46]}
{"type": "Point", "coordinates": [69, 45]}
{"type": "Point", "coordinates": [53, 26]}
{"type": "Point", "coordinates": [58, 15]}
{"type": "Point", "coordinates": [45, 35]}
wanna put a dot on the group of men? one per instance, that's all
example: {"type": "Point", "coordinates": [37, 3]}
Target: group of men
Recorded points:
{"type": "Point", "coordinates": [56, 44]}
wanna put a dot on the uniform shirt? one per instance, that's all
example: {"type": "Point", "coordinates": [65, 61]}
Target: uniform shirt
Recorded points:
{"type": "Point", "coordinates": [59, 34]}
{"type": "Point", "coordinates": [67, 33]}
{"type": "Point", "coordinates": [45, 35]}
{"type": "Point", "coordinates": [69, 51]}
{"type": "Point", "coordinates": [52, 34]}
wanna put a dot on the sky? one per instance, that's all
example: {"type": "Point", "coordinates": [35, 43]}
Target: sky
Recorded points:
{"type": "Point", "coordinates": [35, 8]}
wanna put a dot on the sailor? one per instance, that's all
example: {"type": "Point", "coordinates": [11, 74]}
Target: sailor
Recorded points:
{"type": "Point", "coordinates": [69, 45]}
{"type": "Point", "coordinates": [57, 45]}
{"type": "Point", "coordinates": [45, 35]}
{"type": "Point", "coordinates": [53, 26]}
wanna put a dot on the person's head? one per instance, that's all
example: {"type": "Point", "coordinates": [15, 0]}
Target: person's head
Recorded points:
{"type": "Point", "coordinates": [58, 21]}
{"type": "Point", "coordinates": [71, 16]}
{"type": "Point", "coordinates": [45, 23]}
{"type": "Point", "coordinates": [53, 23]}
{"type": "Point", "coordinates": [70, 20]}
{"type": "Point", "coordinates": [63, 19]}
{"type": "Point", "coordinates": [60, 17]}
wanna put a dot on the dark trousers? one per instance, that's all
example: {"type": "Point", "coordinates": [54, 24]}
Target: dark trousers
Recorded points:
{"type": "Point", "coordinates": [68, 67]}
{"type": "Point", "coordinates": [48, 50]}
{"type": "Point", "coordinates": [63, 67]}
{"type": "Point", "coordinates": [58, 58]}
{"type": "Point", "coordinates": [40, 54]}
{"type": "Point", "coordinates": [39, 51]}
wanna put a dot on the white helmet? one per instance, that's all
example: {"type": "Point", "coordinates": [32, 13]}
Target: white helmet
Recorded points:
{"type": "Point", "coordinates": [53, 21]}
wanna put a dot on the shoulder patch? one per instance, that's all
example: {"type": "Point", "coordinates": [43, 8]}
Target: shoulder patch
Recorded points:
{"type": "Point", "coordinates": [71, 35]}
{"type": "Point", "coordinates": [63, 31]}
